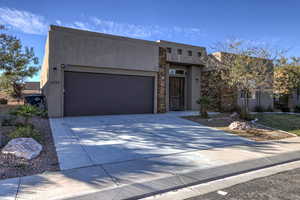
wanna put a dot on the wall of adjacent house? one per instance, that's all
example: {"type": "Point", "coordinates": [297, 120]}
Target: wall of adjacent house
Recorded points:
{"type": "Point", "coordinates": [266, 100]}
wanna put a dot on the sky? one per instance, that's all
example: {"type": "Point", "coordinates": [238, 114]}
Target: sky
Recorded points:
{"type": "Point", "coordinates": [197, 22]}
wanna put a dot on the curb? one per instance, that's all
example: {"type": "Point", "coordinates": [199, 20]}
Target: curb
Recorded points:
{"type": "Point", "coordinates": [179, 181]}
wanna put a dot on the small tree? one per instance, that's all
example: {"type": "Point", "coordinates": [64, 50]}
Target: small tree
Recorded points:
{"type": "Point", "coordinates": [245, 67]}
{"type": "Point", "coordinates": [16, 64]}
{"type": "Point", "coordinates": [287, 77]}
{"type": "Point", "coordinates": [204, 103]}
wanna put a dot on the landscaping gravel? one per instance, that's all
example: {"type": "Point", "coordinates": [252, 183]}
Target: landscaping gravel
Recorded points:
{"type": "Point", "coordinates": [11, 166]}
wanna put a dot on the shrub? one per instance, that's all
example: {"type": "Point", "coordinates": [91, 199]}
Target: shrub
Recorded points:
{"type": "Point", "coordinates": [259, 108]}
{"type": "Point", "coordinates": [285, 109]}
{"type": "Point", "coordinates": [25, 132]}
{"type": "Point", "coordinates": [246, 116]}
{"type": "Point", "coordinates": [204, 103]}
{"type": "Point", "coordinates": [43, 114]}
{"type": "Point", "coordinates": [297, 109]}
{"type": "Point", "coordinates": [3, 101]}
{"type": "Point", "coordinates": [27, 112]}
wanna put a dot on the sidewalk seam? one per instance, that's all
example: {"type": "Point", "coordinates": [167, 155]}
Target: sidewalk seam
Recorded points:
{"type": "Point", "coordinates": [19, 185]}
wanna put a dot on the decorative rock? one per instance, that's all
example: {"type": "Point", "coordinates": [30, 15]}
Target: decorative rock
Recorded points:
{"type": "Point", "coordinates": [237, 125]}
{"type": "Point", "coordinates": [26, 148]}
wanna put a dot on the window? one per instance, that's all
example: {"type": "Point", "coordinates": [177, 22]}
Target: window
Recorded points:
{"type": "Point", "coordinates": [176, 72]}
{"type": "Point", "coordinates": [190, 53]}
{"type": "Point", "coordinates": [169, 50]}
{"type": "Point", "coordinates": [179, 51]}
{"type": "Point", "coordinates": [199, 54]}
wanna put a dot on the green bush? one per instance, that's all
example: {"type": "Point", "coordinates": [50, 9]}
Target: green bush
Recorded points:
{"type": "Point", "coordinates": [25, 132]}
{"type": "Point", "coordinates": [204, 103]}
{"type": "Point", "coordinates": [3, 101]}
{"type": "Point", "coordinates": [259, 108]}
{"type": "Point", "coordinates": [297, 109]}
{"type": "Point", "coordinates": [26, 112]}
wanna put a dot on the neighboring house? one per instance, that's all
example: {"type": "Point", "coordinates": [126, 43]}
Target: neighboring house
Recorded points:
{"type": "Point", "coordinates": [31, 88]}
{"type": "Point", "coordinates": [226, 99]}
{"type": "Point", "coordinates": [88, 73]}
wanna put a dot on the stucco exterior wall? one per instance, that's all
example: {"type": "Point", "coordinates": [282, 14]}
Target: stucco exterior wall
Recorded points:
{"type": "Point", "coordinates": [45, 66]}
{"type": "Point", "coordinates": [109, 54]}
{"type": "Point", "coordinates": [184, 58]}
{"type": "Point", "coordinates": [194, 94]}
{"type": "Point", "coordinates": [265, 100]}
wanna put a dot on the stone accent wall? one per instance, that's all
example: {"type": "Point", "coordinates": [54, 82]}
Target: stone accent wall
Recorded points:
{"type": "Point", "coordinates": [223, 98]}
{"type": "Point", "coordinates": [161, 81]}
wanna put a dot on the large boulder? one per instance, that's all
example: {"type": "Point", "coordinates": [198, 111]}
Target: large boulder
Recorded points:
{"type": "Point", "coordinates": [238, 125]}
{"type": "Point", "coordinates": [26, 148]}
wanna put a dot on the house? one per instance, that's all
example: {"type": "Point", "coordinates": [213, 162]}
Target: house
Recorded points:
{"type": "Point", "coordinates": [31, 88]}
{"type": "Point", "coordinates": [227, 99]}
{"type": "Point", "coordinates": [88, 73]}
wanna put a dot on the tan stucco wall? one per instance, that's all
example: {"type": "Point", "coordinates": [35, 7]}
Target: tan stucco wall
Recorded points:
{"type": "Point", "coordinates": [45, 66]}
{"type": "Point", "coordinates": [195, 83]}
{"type": "Point", "coordinates": [184, 58]}
{"type": "Point", "coordinates": [88, 50]}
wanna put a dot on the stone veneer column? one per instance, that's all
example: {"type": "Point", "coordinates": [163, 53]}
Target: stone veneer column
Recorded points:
{"type": "Point", "coordinates": [161, 81]}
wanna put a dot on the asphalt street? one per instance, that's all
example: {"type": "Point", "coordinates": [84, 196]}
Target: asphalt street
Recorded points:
{"type": "Point", "coordinates": [282, 186]}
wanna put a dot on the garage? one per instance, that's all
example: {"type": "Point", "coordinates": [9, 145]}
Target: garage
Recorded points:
{"type": "Point", "coordinates": [107, 94]}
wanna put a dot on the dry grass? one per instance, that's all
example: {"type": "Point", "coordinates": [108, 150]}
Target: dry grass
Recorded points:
{"type": "Point", "coordinates": [222, 121]}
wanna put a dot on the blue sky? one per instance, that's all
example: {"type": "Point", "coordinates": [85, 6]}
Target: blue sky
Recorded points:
{"type": "Point", "coordinates": [197, 22]}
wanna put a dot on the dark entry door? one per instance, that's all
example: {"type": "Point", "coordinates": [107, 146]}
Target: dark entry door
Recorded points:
{"type": "Point", "coordinates": [176, 93]}
{"type": "Point", "coordinates": [106, 94]}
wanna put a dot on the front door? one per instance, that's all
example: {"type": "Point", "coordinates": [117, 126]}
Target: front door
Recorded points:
{"type": "Point", "coordinates": [176, 93]}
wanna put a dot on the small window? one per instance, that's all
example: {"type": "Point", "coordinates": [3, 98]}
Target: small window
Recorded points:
{"type": "Point", "coordinates": [199, 54]}
{"type": "Point", "coordinates": [179, 51]}
{"type": "Point", "coordinates": [176, 72]}
{"type": "Point", "coordinates": [169, 50]}
{"type": "Point", "coordinates": [190, 53]}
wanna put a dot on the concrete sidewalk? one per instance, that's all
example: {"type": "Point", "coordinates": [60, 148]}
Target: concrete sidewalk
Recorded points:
{"type": "Point", "coordinates": [144, 177]}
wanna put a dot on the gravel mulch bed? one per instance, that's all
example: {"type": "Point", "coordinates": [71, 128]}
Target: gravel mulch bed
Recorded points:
{"type": "Point", "coordinates": [11, 166]}
{"type": "Point", "coordinates": [222, 121]}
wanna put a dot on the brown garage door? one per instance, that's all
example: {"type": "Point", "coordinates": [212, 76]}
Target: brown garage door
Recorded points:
{"type": "Point", "coordinates": [105, 94]}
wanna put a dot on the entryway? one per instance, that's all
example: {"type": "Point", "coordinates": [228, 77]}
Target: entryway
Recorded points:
{"type": "Point", "coordinates": [176, 93]}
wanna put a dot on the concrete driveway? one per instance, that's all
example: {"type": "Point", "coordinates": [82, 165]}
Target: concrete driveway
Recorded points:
{"type": "Point", "coordinates": [97, 140]}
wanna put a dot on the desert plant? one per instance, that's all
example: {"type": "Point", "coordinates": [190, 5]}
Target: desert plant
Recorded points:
{"type": "Point", "coordinates": [26, 131]}
{"type": "Point", "coordinates": [3, 101]}
{"type": "Point", "coordinates": [297, 109]}
{"type": "Point", "coordinates": [26, 112]}
{"type": "Point", "coordinates": [204, 103]}
{"type": "Point", "coordinates": [259, 108]}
